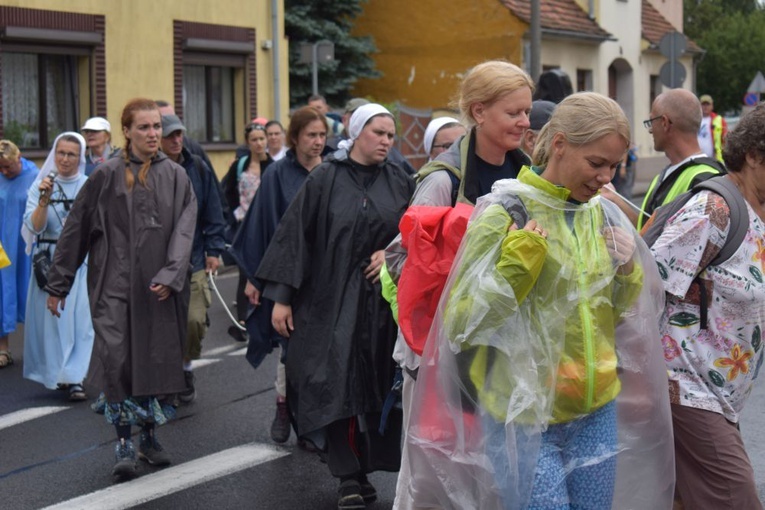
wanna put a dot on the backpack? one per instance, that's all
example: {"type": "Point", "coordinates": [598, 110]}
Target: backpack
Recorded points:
{"type": "Point", "coordinates": [432, 237]}
{"type": "Point", "coordinates": [738, 226]}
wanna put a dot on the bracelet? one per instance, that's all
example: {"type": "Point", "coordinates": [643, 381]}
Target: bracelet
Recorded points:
{"type": "Point", "coordinates": [44, 202]}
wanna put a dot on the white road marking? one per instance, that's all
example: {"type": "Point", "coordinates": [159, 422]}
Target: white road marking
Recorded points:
{"type": "Point", "coordinates": [11, 419]}
{"type": "Point", "coordinates": [240, 352]}
{"type": "Point", "coordinates": [174, 479]}
{"type": "Point", "coordinates": [221, 350]}
{"type": "Point", "coordinates": [199, 363]}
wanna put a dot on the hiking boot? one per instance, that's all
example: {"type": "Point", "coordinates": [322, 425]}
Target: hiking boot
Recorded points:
{"type": "Point", "coordinates": [151, 451]}
{"type": "Point", "coordinates": [280, 428]}
{"type": "Point", "coordinates": [349, 496]}
{"type": "Point", "coordinates": [126, 467]}
{"type": "Point", "coordinates": [190, 393]}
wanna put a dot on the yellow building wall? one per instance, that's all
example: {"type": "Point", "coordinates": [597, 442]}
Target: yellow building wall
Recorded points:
{"type": "Point", "coordinates": [139, 49]}
{"type": "Point", "coordinates": [425, 46]}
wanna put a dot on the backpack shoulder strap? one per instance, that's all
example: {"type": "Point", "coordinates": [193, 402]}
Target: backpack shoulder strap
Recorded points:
{"type": "Point", "coordinates": [240, 167]}
{"type": "Point", "coordinates": [655, 225]}
{"type": "Point", "coordinates": [455, 175]}
{"type": "Point", "coordinates": [739, 215]}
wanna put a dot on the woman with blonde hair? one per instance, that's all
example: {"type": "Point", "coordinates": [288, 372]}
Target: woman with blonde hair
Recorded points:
{"type": "Point", "coordinates": [135, 218]}
{"type": "Point", "coordinates": [540, 385]}
{"type": "Point", "coordinates": [494, 102]}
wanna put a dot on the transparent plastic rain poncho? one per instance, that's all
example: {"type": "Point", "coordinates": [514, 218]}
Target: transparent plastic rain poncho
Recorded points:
{"type": "Point", "coordinates": [531, 339]}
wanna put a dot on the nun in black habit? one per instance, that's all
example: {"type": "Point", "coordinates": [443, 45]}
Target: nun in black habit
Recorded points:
{"type": "Point", "coordinates": [323, 264]}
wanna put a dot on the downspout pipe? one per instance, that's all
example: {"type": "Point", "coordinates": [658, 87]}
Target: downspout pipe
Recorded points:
{"type": "Point", "coordinates": [592, 9]}
{"type": "Point", "coordinates": [276, 59]}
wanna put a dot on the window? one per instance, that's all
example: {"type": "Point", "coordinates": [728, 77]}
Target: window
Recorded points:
{"type": "Point", "coordinates": [208, 102]}
{"type": "Point", "coordinates": [583, 80]}
{"type": "Point", "coordinates": [39, 97]}
{"type": "Point", "coordinates": [216, 94]}
{"type": "Point", "coordinates": [654, 85]}
{"type": "Point", "coordinates": [53, 74]}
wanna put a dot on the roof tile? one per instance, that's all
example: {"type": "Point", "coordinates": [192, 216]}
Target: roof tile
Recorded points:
{"type": "Point", "coordinates": [654, 26]}
{"type": "Point", "coordinates": [559, 15]}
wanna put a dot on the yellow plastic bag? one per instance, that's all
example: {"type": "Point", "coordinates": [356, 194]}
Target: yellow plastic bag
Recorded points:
{"type": "Point", "coordinates": [4, 260]}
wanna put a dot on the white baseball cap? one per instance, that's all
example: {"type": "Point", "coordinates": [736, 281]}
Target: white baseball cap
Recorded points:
{"type": "Point", "coordinates": [97, 124]}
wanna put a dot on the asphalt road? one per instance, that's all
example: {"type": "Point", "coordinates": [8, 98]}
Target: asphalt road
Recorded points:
{"type": "Point", "coordinates": [222, 454]}
{"type": "Point", "coordinates": [223, 435]}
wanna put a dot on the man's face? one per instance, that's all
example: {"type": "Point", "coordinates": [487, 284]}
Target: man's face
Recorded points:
{"type": "Point", "coordinates": [319, 105]}
{"type": "Point", "coordinates": [706, 108]}
{"type": "Point", "coordinates": [657, 130]}
{"type": "Point", "coordinates": [172, 145]}
{"type": "Point", "coordinates": [275, 137]}
{"type": "Point", "coordinates": [10, 168]}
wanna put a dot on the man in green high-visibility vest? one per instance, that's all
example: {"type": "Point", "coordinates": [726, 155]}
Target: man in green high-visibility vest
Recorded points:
{"type": "Point", "coordinates": [674, 123]}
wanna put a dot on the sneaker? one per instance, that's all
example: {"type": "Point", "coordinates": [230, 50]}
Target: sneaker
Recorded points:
{"type": "Point", "coordinates": [187, 396]}
{"type": "Point", "coordinates": [126, 467]}
{"type": "Point", "coordinates": [349, 496]}
{"type": "Point", "coordinates": [76, 393]}
{"type": "Point", "coordinates": [151, 451]}
{"type": "Point", "coordinates": [280, 428]}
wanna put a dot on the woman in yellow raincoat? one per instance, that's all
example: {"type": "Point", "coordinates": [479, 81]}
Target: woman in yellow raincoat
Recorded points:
{"type": "Point", "coordinates": [540, 387]}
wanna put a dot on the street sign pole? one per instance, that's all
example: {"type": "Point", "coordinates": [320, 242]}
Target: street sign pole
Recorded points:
{"type": "Point", "coordinates": [323, 51]}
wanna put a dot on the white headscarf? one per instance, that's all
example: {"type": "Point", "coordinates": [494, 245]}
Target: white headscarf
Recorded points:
{"type": "Point", "coordinates": [432, 130]}
{"type": "Point", "coordinates": [48, 167]}
{"type": "Point", "coordinates": [358, 120]}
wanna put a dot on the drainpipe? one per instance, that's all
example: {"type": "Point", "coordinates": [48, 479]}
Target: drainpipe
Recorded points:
{"type": "Point", "coordinates": [276, 56]}
{"type": "Point", "coordinates": [535, 69]}
{"type": "Point", "coordinates": [592, 9]}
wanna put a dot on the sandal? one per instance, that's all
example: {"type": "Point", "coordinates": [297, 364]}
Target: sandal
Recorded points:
{"type": "Point", "coordinates": [5, 359]}
{"type": "Point", "coordinates": [77, 393]}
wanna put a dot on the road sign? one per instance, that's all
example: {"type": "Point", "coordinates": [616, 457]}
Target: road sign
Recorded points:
{"type": "Point", "coordinates": [672, 74]}
{"type": "Point", "coordinates": [758, 84]}
{"type": "Point", "coordinates": [672, 45]}
{"type": "Point", "coordinates": [751, 98]}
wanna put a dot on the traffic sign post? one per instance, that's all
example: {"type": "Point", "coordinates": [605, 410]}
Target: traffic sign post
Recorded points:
{"type": "Point", "coordinates": [320, 51]}
{"type": "Point", "coordinates": [672, 46]}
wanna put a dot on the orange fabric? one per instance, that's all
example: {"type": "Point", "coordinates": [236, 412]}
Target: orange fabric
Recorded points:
{"type": "Point", "coordinates": [431, 236]}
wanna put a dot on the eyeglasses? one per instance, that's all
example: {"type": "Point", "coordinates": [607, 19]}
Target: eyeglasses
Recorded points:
{"type": "Point", "coordinates": [67, 155]}
{"type": "Point", "coordinates": [255, 127]}
{"type": "Point", "coordinates": [649, 123]}
{"type": "Point", "coordinates": [444, 146]}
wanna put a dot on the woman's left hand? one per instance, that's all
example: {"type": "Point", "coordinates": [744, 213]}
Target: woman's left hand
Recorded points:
{"type": "Point", "coordinates": [162, 291]}
{"type": "Point", "coordinates": [621, 246]}
{"type": "Point", "coordinates": [372, 271]}
{"type": "Point", "coordinates": [53, 305]}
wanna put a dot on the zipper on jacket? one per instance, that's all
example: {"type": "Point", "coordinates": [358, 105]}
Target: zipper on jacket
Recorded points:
{"type": "Point", "coordinates": [586, 317]}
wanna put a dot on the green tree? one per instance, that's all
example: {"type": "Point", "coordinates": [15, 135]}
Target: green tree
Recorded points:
{"type": "Point", "coordinates": [309, 21]}
{"type": "Point", "coordinates": [733, 36]}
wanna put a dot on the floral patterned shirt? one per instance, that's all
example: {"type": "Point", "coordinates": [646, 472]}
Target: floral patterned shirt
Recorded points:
{"type": "Point", "coordinates": [714, 368]}
{"type": "Point", "coordinates": [249, 183]}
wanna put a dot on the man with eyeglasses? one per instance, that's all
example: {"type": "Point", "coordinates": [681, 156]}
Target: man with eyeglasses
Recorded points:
{"type": "Point", "coordinates": [674, 123]}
